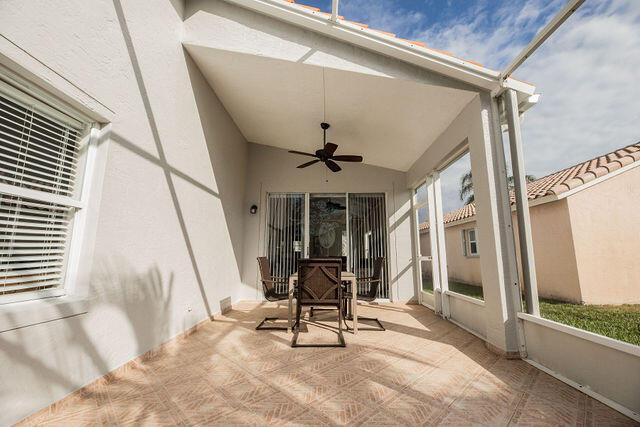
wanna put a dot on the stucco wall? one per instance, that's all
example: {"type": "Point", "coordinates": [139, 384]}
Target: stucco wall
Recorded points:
{"type": "Point", "coordinates": [169, 235]}
{"type": "Point", "coordinates": [553, 250]}
{"type": "Point", "coordinates": [460, 268]}
{"type": "Point", "coordinates": [274, 170]}
{"type": "Point", "coordinates": [606, 226]}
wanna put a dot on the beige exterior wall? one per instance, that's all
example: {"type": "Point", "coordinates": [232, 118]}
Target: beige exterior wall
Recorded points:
{"type": "Point", "coordinates": [606, 223]}
{"type": "Point", "coordinates": [583, 244]}
{"type": "Point", "coordinates": [460, 268]}
{"type": "Point", "coordinates": [553, 249]}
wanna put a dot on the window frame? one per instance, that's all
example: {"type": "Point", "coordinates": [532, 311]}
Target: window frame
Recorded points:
{"type": "Point", "coordinates": [467, 241]}
{"type": "Point", "coordinates": [15, 87]}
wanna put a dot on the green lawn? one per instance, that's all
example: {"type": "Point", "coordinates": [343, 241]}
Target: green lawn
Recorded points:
{"type": "Point", "coordinates": [468, 290]}
{"type": "Point", "coordinates": [457, 287]}
{"type": "Point", "coordinates": [621, 322]}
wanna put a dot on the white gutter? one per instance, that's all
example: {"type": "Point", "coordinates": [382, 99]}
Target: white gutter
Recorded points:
{"type": "Point", "coordinates": [384, 44]}
{"type": "Point", "coordinates": [540, 38]}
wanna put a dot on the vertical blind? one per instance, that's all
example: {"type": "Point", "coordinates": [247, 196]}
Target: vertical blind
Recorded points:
{"type": "Point", "coordinates": [40, 153]}
{"type": "Point", "coordinates": [285, 233]}
{"type": "Point", "coordinates": [368, 237]}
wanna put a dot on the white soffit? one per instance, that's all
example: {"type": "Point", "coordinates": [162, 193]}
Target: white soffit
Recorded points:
{"type": "Point", "coordinates": [390, 122]}
{"type": "Point", "coordinates": [377, 41]}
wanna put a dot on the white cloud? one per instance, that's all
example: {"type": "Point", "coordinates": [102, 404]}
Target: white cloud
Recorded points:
{"type": "Point", "coordinates": [381, 15]}
{"type": "Point", "coordinates": [492, 37]}
{"type": "Point", "coordinates": [588, 74]}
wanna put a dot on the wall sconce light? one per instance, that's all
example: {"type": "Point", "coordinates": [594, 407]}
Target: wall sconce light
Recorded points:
{"type": "Point", "coordinates": [253, 209]}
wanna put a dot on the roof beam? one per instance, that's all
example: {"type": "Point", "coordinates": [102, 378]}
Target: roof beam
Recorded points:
{"type": "Point", "coordinates": [334, 10]}
{"type": "Point", "coordinates": [542, 36]}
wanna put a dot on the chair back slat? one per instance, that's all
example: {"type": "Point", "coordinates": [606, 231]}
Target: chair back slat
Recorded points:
{"type": "Point", "coordinates": [319, 281]}
{"type": "Point", "coordinates": [374, 281]}
{"type": "Point", "coordinates": [265, 275]}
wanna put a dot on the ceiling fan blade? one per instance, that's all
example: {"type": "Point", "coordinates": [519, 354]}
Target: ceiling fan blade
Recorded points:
{"type": "Point", "coordinates": [304, 165]}
{"type": "Point", "coordinates": [347, 158]}
{"type": "Point", "coordinates": [330, 148]}
{"type": "Point", "coordinates": [333, 166]}
{"type": "Point", "coordinates": [302, 153]}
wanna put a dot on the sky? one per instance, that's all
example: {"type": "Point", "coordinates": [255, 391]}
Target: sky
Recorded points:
{"type": "Point", "coordinates": [588, 72]}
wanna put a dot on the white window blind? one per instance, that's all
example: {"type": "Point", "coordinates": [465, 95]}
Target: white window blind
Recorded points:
{"type": "Point", "coordinates": [40, 159]}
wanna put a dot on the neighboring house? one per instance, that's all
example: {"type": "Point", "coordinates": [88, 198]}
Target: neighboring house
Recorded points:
{"type": "Point", "coordinates": [585, 222]}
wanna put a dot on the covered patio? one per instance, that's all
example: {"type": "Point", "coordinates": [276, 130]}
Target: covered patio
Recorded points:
{"type": "Point", "coordinates": [151, 315]}
{"type": "Point", "coordinates": [424, 371]}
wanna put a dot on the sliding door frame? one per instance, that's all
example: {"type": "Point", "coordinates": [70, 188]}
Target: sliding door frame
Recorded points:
{"type": "Point", "coordinates": [306, 223]}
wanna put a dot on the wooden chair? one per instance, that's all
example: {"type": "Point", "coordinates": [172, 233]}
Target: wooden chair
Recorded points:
{"type": "Point", "coordinates": [319, 284]}
{"type": "Point", "coordinates": [374, 285]}
{"type": "Point", "coordinates": [271, 292]}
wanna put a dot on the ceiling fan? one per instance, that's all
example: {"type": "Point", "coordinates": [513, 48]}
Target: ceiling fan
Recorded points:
{"type": "Point", "coordinates": [326, 154]}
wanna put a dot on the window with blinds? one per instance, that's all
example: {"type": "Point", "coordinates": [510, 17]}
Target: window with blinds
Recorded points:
{"type": "Point", "coordinates": [40, 159]}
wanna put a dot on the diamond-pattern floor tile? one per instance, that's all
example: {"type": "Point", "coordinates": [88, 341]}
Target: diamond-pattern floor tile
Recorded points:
{"type": "Point", "coordinates": [422, 371]}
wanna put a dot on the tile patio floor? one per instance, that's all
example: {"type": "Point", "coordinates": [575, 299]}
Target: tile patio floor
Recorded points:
{"type": "Point", "coordinates": [421, 371]}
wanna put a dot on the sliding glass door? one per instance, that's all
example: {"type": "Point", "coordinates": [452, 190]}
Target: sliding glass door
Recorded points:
{"type": "Point", "coordinates": [368, 236]}
{"type": "Point", "coordinates": [285, 233]}
{"type": "Point", "coordinates": [351, 225]}
{"type": "Point", "coordinates": [327, 225]}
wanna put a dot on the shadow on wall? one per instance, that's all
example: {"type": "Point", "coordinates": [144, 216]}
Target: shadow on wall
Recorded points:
{"type": "Point", "coordinates": [226, 158]}
{"type": "Point", "coordinates": [162, 160]}
{"type": "Point", "coordinates": [214, 132]}
{"type": "Point", "coordinates": [122, 292]}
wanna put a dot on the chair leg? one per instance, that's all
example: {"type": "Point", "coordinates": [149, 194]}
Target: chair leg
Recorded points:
{"type": "Point", "coordinates": [340, 320]}
{"type": "Point", "coordinates": [345, 311]}
{"type": "Point", "coordinates": [262, 327]}
{"type": "Point", "coordinates": [341, 341]}
{"type": "Point", "coordinates": [296, 325]}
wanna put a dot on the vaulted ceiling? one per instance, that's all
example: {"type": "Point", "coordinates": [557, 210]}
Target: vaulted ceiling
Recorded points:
{"type": "Point", "coordinates": [389, 121]}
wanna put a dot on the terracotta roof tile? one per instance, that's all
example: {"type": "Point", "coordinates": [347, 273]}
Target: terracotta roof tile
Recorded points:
{"type": "Point", "coordinates": [563, 180]}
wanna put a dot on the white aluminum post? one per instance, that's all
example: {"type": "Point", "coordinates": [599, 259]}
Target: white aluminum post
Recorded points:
{"type": "Point", "coordinates": [334, 10]}
{"type": "Point", "coordinates": [433, 242]}
{"type": "Point", "coordinates": [544, 34]}
{"type": "Point", "coordinates": [441, 248]}
{"type": "Point", "coordinates": [522, 204]}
